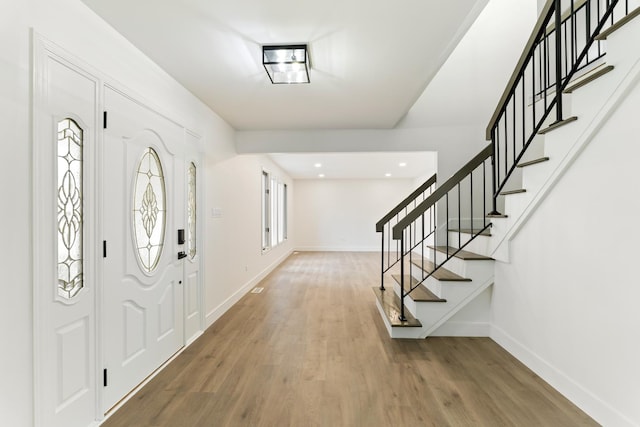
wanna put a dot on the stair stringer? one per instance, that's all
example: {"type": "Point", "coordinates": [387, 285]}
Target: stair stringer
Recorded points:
{"type": "Point", "coordinates": [593, 104]}
{"type": "Point", "coordinates": [435, 318]}
{"type": "Point", "coordinates": [458, 295]}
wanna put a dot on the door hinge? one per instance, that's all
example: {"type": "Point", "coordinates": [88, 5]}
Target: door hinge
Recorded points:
{"type": "Point", "coordinates": [104, 119]}
{"type": "Point", "coordinates": [104, 377]}
{"type": "Point", "coordinates": [104, 249]}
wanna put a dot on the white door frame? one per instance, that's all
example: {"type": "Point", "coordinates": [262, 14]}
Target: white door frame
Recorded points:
{"type": "Point", "coordinates": [192, 154]}
{"type": "Point", "coordinates": [43, 217]}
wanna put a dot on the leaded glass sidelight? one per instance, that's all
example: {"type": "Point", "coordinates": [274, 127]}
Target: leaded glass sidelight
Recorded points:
{"type": "Point", "coordinates": [191, 210]}
{"type": "Point", "coordinates": [70, 238]}
{"type": "Point", "coordinates": [149, 210]}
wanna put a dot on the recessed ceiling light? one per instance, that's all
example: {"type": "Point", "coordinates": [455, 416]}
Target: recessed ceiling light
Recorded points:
{"type": "Point", "coordinates": [318, 165]}
{"type": "Point", "coordinates": [321, 175]}
{"type": "Point", "coordinates": [402, 164]}
{"type": "Point", "coordinates": [387, 175]}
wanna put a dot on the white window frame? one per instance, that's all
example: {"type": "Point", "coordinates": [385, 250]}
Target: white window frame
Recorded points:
{"type": "Point", "coordinates": [274, 211]}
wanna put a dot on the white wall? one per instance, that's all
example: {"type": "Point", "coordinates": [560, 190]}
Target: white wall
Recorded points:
{"type": "Point", "coordinates": [15, 304]}
{"type": "Point", "coordinates": [234, 258]}
{"type": "Point", "coordinates": [75, 28]}
{"type": "Point", "coordinates": [341, 215]}
{"type": "Point", "coordinates": [567, 304]}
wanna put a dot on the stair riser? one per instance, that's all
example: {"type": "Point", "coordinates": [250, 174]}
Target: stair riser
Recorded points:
{"type": "Point", "coordinates": [480, 245]}
{"type": "Point", "coordinates": [534, 176]}
{"type": "Point", "coordinates": [467, 269]}
{"type": "Point", "coordinates": [409, 303]}
{"type": "Point", "coordinates": [431, 283]}
{"type": "Point", "coordinates": [515, 180]}
{"type": "Point", "coordinates": [535, 151]}
{"type": "Point", "coordinates": [398, 332]}
{"type": "Point", "coordinates": [515, 204]}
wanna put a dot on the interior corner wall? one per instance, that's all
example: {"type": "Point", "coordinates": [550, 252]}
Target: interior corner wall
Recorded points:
{"type": "Point", "coordinates": [340, 215]}
{"type": "Point", "coordinates": [16, 313]}
{"type": "Point", "coordinates": [73, 27]}
{"type": "Point", "coordinates": [567, 303]}
{"type": "Point", "coordinates": [235, 261]}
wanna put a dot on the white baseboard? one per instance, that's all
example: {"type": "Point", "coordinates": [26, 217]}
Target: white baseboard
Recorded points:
{"type": "Point", "coordinates": [217, 312]}
{"type": "Point", "coordinates": [463, 329]}
{"type": "Point", "coordinates": [193, 338]}
{"type": "Point", "coordinates": [338, 249]}
{"type": "Point", "coordinates": [600, 411]}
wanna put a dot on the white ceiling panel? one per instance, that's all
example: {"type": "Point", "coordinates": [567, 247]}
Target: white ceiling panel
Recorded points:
{"type": "Point", "coordinates": [370, 59]}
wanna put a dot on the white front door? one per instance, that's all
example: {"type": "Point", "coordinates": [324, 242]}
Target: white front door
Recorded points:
{"type": "Point", "coordinates": [143, 207]}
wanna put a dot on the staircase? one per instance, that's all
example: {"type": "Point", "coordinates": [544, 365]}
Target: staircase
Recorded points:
{"type": "Point", "coordinates": [467, 222]}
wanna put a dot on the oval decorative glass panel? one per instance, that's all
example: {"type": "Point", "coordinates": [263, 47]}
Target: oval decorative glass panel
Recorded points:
{"type": "Point", "coordinates": [191, 211]}
{"type": "Point", "coordinates": [70, 217]}
{"type": "Point", "coordinates": [149, 210]}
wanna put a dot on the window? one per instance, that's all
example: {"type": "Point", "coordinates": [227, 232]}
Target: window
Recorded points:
{"type": "Point", "coordinates": [266, 241]}
{"type": "Point", "coordinates": [70, 217]}
{"type": "Point", "coordinates": [274, 211]}
{"type": "Point", "coordinates": [191, 210]}
{"type": "Point", "coordinates": [149, 210]}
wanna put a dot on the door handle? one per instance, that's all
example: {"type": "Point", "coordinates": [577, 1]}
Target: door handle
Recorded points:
{"type": "Point", "coordinates": [181, 255]}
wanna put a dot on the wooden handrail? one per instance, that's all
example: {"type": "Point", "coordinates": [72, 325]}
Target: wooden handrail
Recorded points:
{"type": "Point", "coordinates": [441, 191]}
{"type": "Point", "coordinates": [403, 204]}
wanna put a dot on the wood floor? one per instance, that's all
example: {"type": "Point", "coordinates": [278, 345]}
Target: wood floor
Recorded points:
{"type": "Point", "coordinates": [311, 350]}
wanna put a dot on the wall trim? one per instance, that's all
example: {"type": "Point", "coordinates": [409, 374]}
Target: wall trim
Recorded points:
{"type": "Point", "coordinates": [595, 407]}
{"type": "Point", "coordinates": [222, 308]}
{"type": "Point", "coordinates": [463, 329]}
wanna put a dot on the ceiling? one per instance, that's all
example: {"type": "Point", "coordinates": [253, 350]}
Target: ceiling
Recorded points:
{"type": "Point", "coordinates": [391, 165]}
{"type": "Point", "coordinates": [370, 59]}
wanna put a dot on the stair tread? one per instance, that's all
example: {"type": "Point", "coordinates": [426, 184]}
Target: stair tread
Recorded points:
{"type": "Point", "coordinates": [556, 125]}
{"type": "Point", "coordinates": [588, 79]}
{"type": "Point", "coordinates": [421, 293]}
{"type": "Point", "coordinates": [485, 232]}
{"type": "Point", "coordinates": [390, 303]}
{"type": "Point", "coordinates": [441, 274]}
{"type": "Point", "coordinates": [516, 191]}
{"type": "Point", "coordinates": [465, 255]}
{"type": "Point", "coordinates": [606, 33]}
{"type": "Point", "coordinates": [533, 162]}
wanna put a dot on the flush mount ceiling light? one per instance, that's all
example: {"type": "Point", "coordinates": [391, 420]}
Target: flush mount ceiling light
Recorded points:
{"type": "Point", "coordinates": [286, 64]}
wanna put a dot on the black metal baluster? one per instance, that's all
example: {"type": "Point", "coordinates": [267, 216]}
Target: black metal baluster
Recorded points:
{"type": "Point", "coordinates": [447, 226]}
{"type": "Point", "coordinates": [484, 194]}
{"type": "Point", "coordinates": [382, 263]}
{"type": "Point", "coordinates": [494, 168]}
{"type": "Point", "coordinates": [506, 143]}
{"type": "Point", "coordinates": [545, 76]}
{"type": "Point", "coordinates": [422, 246]}
{"type": "Point", "coordinates": [402, 317]}
{"type": "Point", "coordinates": [558, 12]}
{"type": "Point", "coordinates": [513, 110]}
{"type": "Point", "coordinates": [471, 188]}
{"type": "Point", "coordinates": [524, 108]}
{"type": "Point", "coordinates": [459, 217]}
{"type": "Point", "coordinates": [574, 47]}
